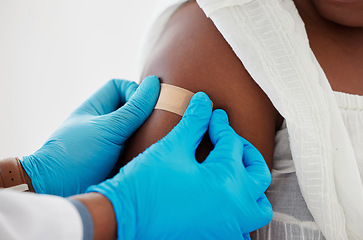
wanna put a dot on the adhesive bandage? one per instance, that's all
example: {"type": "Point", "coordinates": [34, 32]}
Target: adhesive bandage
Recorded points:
{"type": "Point", "coordinates": [173, 99]}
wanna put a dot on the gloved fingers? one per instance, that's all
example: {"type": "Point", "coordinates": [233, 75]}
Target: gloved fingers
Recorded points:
{"type": "Point", "coordinates": [125, 120]}
{"type": "Point", "coordinates": [227, 143]}
{"type": "Point", "coordinates": [265, 210]}
{"type": "Point", "coordinates": [192, 127]}
{"type": "Point", "coordinates": [259, 214]}
{"type": "Point", "coordinates": [108, 98]}
{"type": "Point", "coordinates": [246, 236]}
{"type": "Point", "coordinates": [256, 168]}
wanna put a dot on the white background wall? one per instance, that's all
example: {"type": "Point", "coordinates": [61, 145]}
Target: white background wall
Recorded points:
{"type": "Point", "coordinates": [54, 54]}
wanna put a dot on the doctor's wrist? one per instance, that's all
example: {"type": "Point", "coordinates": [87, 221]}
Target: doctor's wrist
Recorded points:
{"type": "Point", "coordinates": [102, 214]}
{"type": "Point", "coordinates": [86, 218]}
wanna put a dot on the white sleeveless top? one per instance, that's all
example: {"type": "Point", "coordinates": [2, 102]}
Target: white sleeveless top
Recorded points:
{"type": "Point", "coordinates": [323, 179]}
{"type": "Point", "coordinates": [292, 219]}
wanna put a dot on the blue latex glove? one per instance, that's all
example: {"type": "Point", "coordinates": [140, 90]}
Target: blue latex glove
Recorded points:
{"type": "Point", "coordinates": [164, 193]}
{"type": "Point", "coordinates": [83, 151]}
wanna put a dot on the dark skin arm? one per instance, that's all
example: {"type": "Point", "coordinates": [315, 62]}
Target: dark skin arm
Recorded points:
{"type": "Point", "coordinates": [192, 54]}
{"type": "Point", "coordinates": [102, 213]}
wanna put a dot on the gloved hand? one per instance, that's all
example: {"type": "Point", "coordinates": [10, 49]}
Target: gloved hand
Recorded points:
{"type": "Point", "coordinates": [85, 148]}
{"type": "Point", "coordinates": [164, 193]}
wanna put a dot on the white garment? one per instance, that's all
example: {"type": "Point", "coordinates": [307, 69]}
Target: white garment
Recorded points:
{"type": "Point", "coordinates": [269, 37]}
{"type": "Point", "coordinates": [31, 216]}
{"type": "Point", "coordinates": [292, 219]}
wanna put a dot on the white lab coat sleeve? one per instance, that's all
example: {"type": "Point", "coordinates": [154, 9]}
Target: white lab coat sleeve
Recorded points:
{"type": "Point", "coordinates": [33, 216]}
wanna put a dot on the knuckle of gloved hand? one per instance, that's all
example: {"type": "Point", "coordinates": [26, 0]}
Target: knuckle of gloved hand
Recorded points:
{"type": "Point", "coordinates": [122, 123]}
{"type": "Point", "coordinates": [248, 146]}
{"type": "Point", "coordinates": [117, 85]}
{"type": "Point", "coordinates": [131, 115]}
{"type": "Point", "coordinates": [263, 212]}
{"type": "Point", "coordinates": [237, 139]}
{"type": "Point", "coordinates": [262, 180]}
{"type": "Point", "coordinates": [269, 215]}
{"type": "Point", "coordinates": [234, 141]}
{"type": "Point", "coordinates": [265, 175]}
{"type": "Point", "coordinates": [132, 120]}
{"type": "Point", "coordinates": [140, 106]}
{"type": "Point", "coordinates": [267, 212]}
{"type": "Point", "coordinates": [267, 178]}
{"type": "Point", "coordinates": [113, 82]}
{"type": "Point", "coordinates": [226, 134]}
{"type": "Point", "coordinates": [131, 88]}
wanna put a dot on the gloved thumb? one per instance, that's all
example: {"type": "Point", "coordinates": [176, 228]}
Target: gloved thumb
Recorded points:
{"type": "Point", "coordinates": [191, 128]}
{"type": "Point", "coordinates": [125, 120]}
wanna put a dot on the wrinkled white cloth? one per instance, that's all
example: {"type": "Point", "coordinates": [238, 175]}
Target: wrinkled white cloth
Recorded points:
{"type": "Point", "coordinates": [292, 219]}
{"type": "Point", "coordinates": [33, 216]}
{"type": "Point", "coordinates": [269, 37]}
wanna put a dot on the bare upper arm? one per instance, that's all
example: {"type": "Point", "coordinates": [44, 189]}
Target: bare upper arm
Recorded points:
{"type": "Point", "coordinates": [191, 53]}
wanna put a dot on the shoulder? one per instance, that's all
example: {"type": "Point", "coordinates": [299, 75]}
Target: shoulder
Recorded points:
{"type": "Point", "coordinates": [192, 53]}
